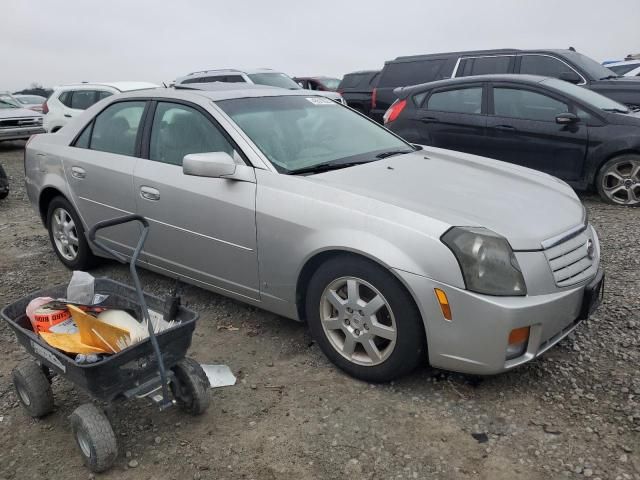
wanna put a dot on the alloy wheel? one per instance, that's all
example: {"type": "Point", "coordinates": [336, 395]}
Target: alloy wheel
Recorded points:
{"type": "Point", "coordinates": [65, 234]}
{"type": "Point", "coordinates": [358, 321]}
{"type": "Point", "coordinates": [621, 182]}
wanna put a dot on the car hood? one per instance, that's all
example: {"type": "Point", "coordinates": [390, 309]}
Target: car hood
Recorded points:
{"type": "Point", "coordinates": [523, 205]}
{"type": "Point", "coordinates": [18, 113]}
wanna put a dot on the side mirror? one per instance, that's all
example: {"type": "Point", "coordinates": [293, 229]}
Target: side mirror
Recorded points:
{"type": "Point", "coordinates": [571, 77]}
{"type": "Point", "coordinates": [211, 164]}
{"type": "Point", "coordinates": [567, 118]}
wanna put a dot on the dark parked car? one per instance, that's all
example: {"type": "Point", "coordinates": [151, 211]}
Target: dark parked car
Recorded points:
{"type": "Point", "coordinates": [543, 123]}
{"type": "Point", "coordinates": [356, 88]}
{"type": "Point", "coordinates": [567, 65]}
{"type": "Point", "coordinates": [320, 84]}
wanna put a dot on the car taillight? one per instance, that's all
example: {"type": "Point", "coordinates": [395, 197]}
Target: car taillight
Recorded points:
{"type": "Point", "coordinates": [374, 94]}
{"type": "Point", "coordinates": [45, 108]}
{"type": "Point", "coordinates": [394, 111]}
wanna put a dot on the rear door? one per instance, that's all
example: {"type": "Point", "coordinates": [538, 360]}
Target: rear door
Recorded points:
{"type": "Point", "coordinates": [99, 168]}
{"type": "Point", "coordinates": [201, 228]}
{"type": "Point", "coordinates": [453, 118]}
{"type": "Point", "coordinates": [522, 129]}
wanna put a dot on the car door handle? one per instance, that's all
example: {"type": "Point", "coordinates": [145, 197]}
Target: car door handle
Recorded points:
{"type": "Point", "coordinates": [505, 128]}
{"type": "Point", "coordinates": [67, 115]}
{"type": "Point", "coordinates": [77, 172]}
{"type": "Point", "coordinates": [149, 193]}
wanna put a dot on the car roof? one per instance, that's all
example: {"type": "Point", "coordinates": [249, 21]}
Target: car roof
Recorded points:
{"type": "Point", "coordinates": [223, 71]}
{"type": "Point", "coordinates": [625, 62]}
{"type": "Point", "coordinates": [403, 92]}
{"type": "Point", "coordinates": [472, 53]}
{"type": "Point", "coordinates": [217, 94]}
{"type": "Point", "coordinates": [121, 86]}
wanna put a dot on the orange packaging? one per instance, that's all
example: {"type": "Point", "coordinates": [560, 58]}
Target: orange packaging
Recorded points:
{"type": "Point", "coordinates": [46, 318]}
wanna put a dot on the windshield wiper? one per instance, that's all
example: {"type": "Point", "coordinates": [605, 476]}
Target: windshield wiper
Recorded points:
{"type": "Point", "coordinates": [615, 110]}
{"type": "Point", "coordinates": [325, 167]}
{"type": "Point", "coordinates": [609, 77]}
{"type": "Point", "coordinates": [391, 153]}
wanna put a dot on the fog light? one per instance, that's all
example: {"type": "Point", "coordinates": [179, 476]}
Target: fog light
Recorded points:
{"type": "Point", "coordinates": [444, 304]}
{"type": "Point", "coordinates": [518, 340]}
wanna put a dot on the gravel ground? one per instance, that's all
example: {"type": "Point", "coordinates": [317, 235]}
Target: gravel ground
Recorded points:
{"type": "Point", "coordinates": [573, 413]}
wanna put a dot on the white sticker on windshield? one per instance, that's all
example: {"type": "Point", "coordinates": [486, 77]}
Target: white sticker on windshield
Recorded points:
{"type": "Point", "coordinates": [321, 101]}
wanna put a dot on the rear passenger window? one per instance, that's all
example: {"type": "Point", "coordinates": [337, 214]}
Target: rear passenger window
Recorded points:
{"type": "Point", "coordinates": [115, 130]}
{"type": "Point", "coordinates": [350, 81]}
{"type": "Point", "coordinates": [82, 99]}
{"type": "Point", "coordinates": [83, 140]}
{"type": "Point", "coordinates": [179, 130]}
{"type": "Point", "coordinates": [402, 74]}
{"type": "Point", "coordinates": [484, 66]}
{"type": "Point", "coordinates": [525, 104]}
{"type": "Point", "coordinates": [102, 95]}
{"type": "Point", "coordinates": [461, 100]}
{"type": "Point", "coordinates": [65, 99]}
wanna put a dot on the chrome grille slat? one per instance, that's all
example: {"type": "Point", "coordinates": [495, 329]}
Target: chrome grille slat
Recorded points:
{"type": "Point", "coordinates": [569, 261]}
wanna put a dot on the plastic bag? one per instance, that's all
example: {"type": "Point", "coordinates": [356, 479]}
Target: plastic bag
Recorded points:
{"type": "Point", "coordinates": [81, 288]}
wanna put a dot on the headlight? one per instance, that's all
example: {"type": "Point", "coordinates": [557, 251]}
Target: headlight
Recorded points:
{"type": "Point", "coordinates": [487, 262]}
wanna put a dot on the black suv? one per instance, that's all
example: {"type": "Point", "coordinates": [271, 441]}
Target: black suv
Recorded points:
{"type": "Point", "coordinates": [567, 65]}
{"type": "Point", "coordinates": [356, 88]}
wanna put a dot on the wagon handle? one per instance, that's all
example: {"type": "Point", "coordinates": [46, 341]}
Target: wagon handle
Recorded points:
{"type": "Point", "coordinates": [166, 402]}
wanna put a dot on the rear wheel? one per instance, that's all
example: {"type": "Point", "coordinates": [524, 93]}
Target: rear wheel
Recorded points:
{"type": "Point", "coordinates": [618, 181]}
{"type": "Point", "coordinates": [94, 436]}
{"type": "Point", "coordinates": [66, 234]}
{"type": "Point", "coordinates": [364, 320]}
{"type": "Point", "coordinates": [33, 388]}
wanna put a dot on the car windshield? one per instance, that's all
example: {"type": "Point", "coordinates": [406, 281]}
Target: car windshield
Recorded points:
{"type": "Point", "coordinates": [5, 104]}
{"type": "Point", "coordinates": [330, 83]}
{"type": "Point", "coordinates": [299, 132]}
{"type": "Point", "coordinates": [622, 69]}
{"type": "Point", "coordinates": [274, 79]}
{"type": "Point", "coordinates": [30, 99]}
{"type": "Point", "coordinates": [592, 68]}
{"type": "Point", "coordinates": [587, 96]}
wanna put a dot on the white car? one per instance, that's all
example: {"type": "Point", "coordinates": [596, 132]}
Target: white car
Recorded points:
{"type": "Point", "coordinates": [257, 76]}
{"type": "Point", "coordinates": [628, 68]}
{"type": "Point", "coordinates": [67, 101]}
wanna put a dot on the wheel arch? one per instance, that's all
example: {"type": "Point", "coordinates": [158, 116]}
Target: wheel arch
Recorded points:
{"type": "Point", "coordinates": [611, 156]}
{"type": "Point", "coordinates": [45, 198]}
{"type": "Point", "coordinates": [316, 260]}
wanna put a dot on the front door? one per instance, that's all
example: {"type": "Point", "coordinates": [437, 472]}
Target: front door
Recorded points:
{"type": "Point", "coordinates": [523, 130]}
{"type": "Point", "coordinates": [200, 228]}
{"type": "Point", "coordinates": [99, 167]}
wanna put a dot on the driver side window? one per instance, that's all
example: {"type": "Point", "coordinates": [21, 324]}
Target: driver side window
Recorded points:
{"type": "Point", "coordinates": [179, 130]}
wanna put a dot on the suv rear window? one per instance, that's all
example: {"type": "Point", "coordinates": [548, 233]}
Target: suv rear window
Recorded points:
{"type": "Point", "coordinates": [402, 74]}
{"type": "Point", "coordinates": [351, 80]}
{"type": "Point", "coordinates": [484, 65]}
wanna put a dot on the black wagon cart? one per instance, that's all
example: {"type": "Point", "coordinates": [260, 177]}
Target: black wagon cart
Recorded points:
{"type": "Point", "coordinates": [155, 368]}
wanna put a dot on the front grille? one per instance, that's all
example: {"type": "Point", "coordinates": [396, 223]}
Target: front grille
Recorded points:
{"type": "Point", "coordinates": [21, 122]}
{"type": "Point", "coordinates": [573, 260]}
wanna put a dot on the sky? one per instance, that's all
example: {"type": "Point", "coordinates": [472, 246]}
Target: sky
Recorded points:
{"type": "Point", "coordinates": [66, 41]}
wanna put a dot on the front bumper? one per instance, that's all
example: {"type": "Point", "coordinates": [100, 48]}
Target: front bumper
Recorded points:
{"type": "Point", "coordinates": [475, 340]}
{"type": "Point", "coordinates": [19, 133]}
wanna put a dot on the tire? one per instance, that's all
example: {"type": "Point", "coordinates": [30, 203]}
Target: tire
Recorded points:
{"type": "Point", "coordinates": [618, 180]}
{"type": "Point", "coordinates": [33, 388]}
{"type": "Point", "coordinates": [94, 436]}
{"type": "Point", "coordinates": [4, 184]}
{"type": "Point", "coordinates": [378, 354]}
{"type": "Point", "coordinates": [191, 387]}
{"type": "Point", "coordinates": [79, 256]}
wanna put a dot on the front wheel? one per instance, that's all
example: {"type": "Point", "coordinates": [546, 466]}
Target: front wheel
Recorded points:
{"type": "Point", "coordinates": [618, 181]}
{"type": "Point", "coordinates": [364, 320]}
{"type": "Point", "coordinates": [94, 436]}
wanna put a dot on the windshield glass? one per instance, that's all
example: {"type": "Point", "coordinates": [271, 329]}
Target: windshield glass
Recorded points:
{"type": "Point", "coordinates": [330, 83]}
{"type": "Point", "coordinates": [30, 99]}
{"type": "Point", "coordinates": [4, 103]}
{"type": "Point", "coordinates": [622, 69]}
{"type": "Point", "coordinates": [296, 132]}
{"type": "Point", "coordinates": [274, 80]}
{"type": "Point", "coordinates": [587, 96]}
{"type": "Point", "coordinates": [589, 65]}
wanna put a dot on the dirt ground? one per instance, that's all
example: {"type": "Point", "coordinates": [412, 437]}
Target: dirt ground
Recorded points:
{"type": "Point", "coordinates": [573, 413]}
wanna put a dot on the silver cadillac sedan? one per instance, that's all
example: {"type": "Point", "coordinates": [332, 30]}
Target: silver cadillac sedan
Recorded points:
{"type": "Point", "coordinates": [393, 253]}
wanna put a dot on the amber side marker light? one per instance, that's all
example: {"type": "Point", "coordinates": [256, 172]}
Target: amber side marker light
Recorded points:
{"type": "Point", "coordinates": [444, 303]}
{"type": "Point", "coordinates": [518, 340]}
